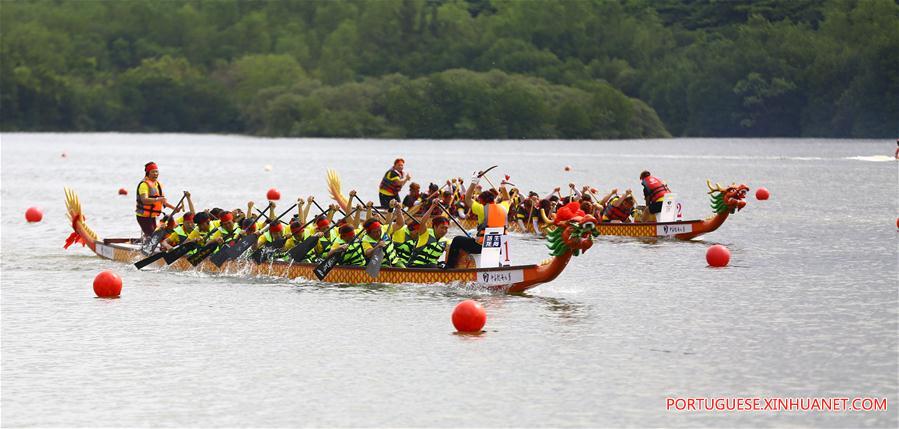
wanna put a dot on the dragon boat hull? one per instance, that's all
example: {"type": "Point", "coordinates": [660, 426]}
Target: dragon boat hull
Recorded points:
{"type": "Point", "coordinates": [683, 230]}
{"type": "Point", "coordinates": [511, 279]}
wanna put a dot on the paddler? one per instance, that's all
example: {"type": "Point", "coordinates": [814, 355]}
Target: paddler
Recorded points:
{"type": "Point", "coordinates": [181, 232]}
{"type": "Point", "coordinates": [414, 196]}
{"type": "Point", "coordinates": [654, 191]}
{"type": "Point", "coordinates": [435, 244]}
{"type": "Point", "coordinates": [490, 214]}
{"type": "Point", "coordinates": [150, 199]}
{"type": "Point", "coordinates": [376, 237]}
{"type": "Point", "coordinates": [202, 232]}
{"type": "Point", "coordinates": [352, 253]}
{"type": "Point", "coordinates": [618, 208]}
{"type": "Point", "coordinates": [392, 182]}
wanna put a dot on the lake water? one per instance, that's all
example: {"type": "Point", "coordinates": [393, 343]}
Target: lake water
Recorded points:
{"type": "Point", "coordinates": [807, 308]}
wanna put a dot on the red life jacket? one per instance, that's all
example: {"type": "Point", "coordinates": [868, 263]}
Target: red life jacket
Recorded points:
{"type": "Point", "coordinates": [615, 213]}
{"type": "Point", "coordinates": [656, 188]}
{"type": "Point", "coordinates": [390, 187]}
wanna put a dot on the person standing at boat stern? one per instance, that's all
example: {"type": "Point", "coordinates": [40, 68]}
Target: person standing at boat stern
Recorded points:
{"type": "Point", "coordinates": [150, 199]}
{"type": "Point", "coordinates": [393, 182]}
{"type": "Point", "coordinates": [654, 191]}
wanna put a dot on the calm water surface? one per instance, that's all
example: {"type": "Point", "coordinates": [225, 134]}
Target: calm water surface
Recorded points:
{"type": "Point", "coordinates": [808, 306]}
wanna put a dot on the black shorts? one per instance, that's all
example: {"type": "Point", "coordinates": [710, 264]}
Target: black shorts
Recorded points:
{"type": "Point", "coordinates": [385, 200]}
{"type": "Point", "coordinates": [655, 207]}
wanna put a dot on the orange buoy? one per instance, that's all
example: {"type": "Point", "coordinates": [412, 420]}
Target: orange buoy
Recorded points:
{"type": "Point", "coordinates": [33, 214]}
{"type": "Point", "coordinates": [123, 191]}
{"type": "Point", "coordinates": [107, 284]}
{"type": "Point", "coordinates": [717, 256]}
{"type": "Point", "coordinates": [762, 194]}
{"type": "Point", "coordinates": [273, 195]}
{"type": "Point", "coordinates": [469, 316]}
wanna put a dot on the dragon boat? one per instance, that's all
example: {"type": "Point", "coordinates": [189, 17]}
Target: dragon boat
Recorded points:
{"type": "Point", "coordinates": [573, 235]}
{"type": "Point", "coordinates": [725, 201]}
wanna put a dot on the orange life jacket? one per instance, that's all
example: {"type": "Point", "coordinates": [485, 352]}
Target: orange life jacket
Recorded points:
{"type": "Point", "coordinates": [494, 217]}
{"type": "Point", "coordinates": [153, 209]}
{"type": "Point", "coordinates": [655, 187]}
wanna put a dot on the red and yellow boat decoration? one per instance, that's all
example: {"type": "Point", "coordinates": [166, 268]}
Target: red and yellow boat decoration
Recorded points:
{"type": "Point", "coordinates": [571, 237]}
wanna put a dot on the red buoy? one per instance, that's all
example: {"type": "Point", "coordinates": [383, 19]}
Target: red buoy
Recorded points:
{"type": "Point", "coordinates": [33, 214]}
{"type": "Point", "coordinates": [761, 194]}
{"type": "Point", "coordinates": [717, 256]}
{"type": "Point", "coordinates": [469, 316]}
{"type": "Point", "coordinates": [123, 191]}
{"type": "Point", "coordinates": [567, 168]}
{"type": "Point", "coordinates": [273, 195]}
{"type": "Point", "coordinates": [107, 284]}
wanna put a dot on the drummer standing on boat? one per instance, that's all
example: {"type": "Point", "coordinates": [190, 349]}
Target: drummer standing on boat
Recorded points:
{"type": "Point", "coordinates": [150, 199]}
{"type": "Point", "coordinates": [393, 182]}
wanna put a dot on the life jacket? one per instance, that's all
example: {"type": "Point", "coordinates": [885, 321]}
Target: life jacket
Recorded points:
{"type": "Point", "coordinates": [178, 235]}
{"type": "Point", "coordinates": [404, 245]}
{"type": "Point", "coordinates": [611, 212]}
{"type": "Point", "coordinates": [494, 217]}
{"type": "Point", "coordinates": [429, 254]}
{"type": "Point", "coordinates": [204, 236]}
{"type": "Point", "coordinates": [390, 187]}
{"type": "Point", "coordinates": [354, 255]}
{"type": "Point", "coordinates": [153, 209]}
{"type": "Point", "coordinates": [655, 188]}
{"type": "Point", "coordinates": [324, 243]}
{"type": "Point", "coordinates": [391, 259]}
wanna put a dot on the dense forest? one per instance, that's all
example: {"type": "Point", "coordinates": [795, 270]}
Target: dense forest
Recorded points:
{"type": "Point", "coordinates": [574, 69]}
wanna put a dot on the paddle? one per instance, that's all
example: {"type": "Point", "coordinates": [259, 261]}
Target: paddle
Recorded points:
{"type": "Point", "coordinates": [452, 218]}
{"type": "Point", "coordinates": [173, 255]}
{"type": "Point", "coordinates": [202, 254]}
{"type": "Point", "coordinates": [160, 234]}
{"type": "Point", "coordinates": [235, 250]}
{"type": "Point", "coordinates": [229, 249]}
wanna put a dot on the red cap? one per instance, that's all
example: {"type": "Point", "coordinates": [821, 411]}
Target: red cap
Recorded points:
{"type": "Point", "coordinates": [323, 223]}
{"type": "Point", "coordinates": [150, 167]}
{"type": "Point", "coordinates": [374, 226]}
{"type": "Point", "coordinates": [296, 227]}
{"type": "Point", "coordinates": [276, 227]}
{"type": "Point", "coordinates": [226, 217]}
{"type": "Point", "coordinates": [440, 220]}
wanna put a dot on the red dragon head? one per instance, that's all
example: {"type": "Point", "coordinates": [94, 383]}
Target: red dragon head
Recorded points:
{"type": "Point", "coordinates": [728, 199]}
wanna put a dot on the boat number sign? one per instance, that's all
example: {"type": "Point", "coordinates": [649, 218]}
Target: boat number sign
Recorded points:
{"type": "Point", "coordinates": [673, 229]}
{"type": "Point", "coordinates": [500, 277]}
{"type": "Point", "coordinates": [105, 251]}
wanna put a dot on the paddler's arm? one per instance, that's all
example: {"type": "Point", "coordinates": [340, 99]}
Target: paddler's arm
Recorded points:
{"type": "Point", "coordinates": [249, 214]}
{"type": "Point", "coordinates": [349, 202]}
{"type": "Point", "coordinates": [190, 202]}
{"type": "Point", "coordinates": [301, 214]}
{"type": "Point", "coordinates": [504, 193]}
{"type": "Point", "coordinates": [310, 200]}
{"type": "Point", "coordinates": [331, 210]}
{"type": "Point", "coordinates": [399, 218]}
{"type": "Point", "coordinates": [470, 192]}
{"type": "Point", "coordinates": [391, 215]}
{"type": "Point", "coordinates": [354, 221]}
{"type": "Point", "coordinates": [551, 193]}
